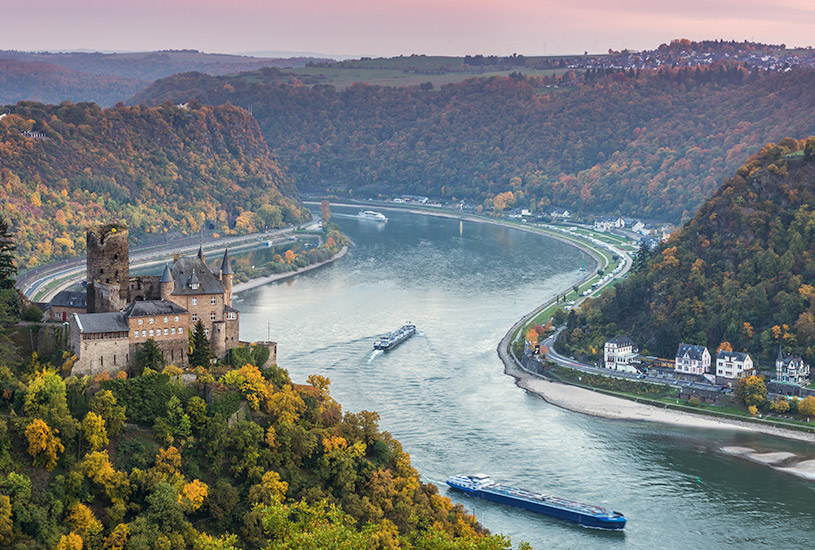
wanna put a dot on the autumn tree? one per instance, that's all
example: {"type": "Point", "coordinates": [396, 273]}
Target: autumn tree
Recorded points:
{"type": "Point", "coordinates": [94, 432]}
{"type": "Point", "coordinates": [104, 404]}
{"type": "Point", "coordinates": [290, 256]}
{"type": "Point", "coordinates": [751, 391]}
{"type": "Point", "coordinates": [44, 444]}
{"type": "Point", "coordinates": [325, 212]}
{"type": "Point", "coordinates": [807, 406]}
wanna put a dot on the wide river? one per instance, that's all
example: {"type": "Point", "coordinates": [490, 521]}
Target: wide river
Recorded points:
{"type": "Point", "coordinates": [444, 395]}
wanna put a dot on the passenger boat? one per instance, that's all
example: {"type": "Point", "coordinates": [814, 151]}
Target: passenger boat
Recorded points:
{"type": "Point", "coordinates": [393, 339]}
{"type": "Point", "coordinates": [372, 215]}
{"type": "Point", "coordinates": [585, 514]}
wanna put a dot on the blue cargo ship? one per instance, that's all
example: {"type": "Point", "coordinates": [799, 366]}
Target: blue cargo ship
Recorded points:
{"type": "Point", "coordinates": [591, 516]}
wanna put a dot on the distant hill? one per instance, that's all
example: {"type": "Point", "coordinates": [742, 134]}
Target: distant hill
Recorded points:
{"type": "Point", "coordinates": [740, 271]}
{"type": "Point", "coordinates": [49, 83]}
{"type": "Point", "coordinates": [650, 143]}
{"type": "Point", "coordinates": [162, 170]}
{"type": "Point", "coordinates": [107, 78]}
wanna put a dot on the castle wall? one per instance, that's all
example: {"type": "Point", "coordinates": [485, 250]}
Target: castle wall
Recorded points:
{"type": "Point", "coordinates": [144, 287]}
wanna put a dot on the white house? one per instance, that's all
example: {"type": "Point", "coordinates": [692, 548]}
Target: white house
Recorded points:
{"type": "Point", "coordinates": [607, 224]}
{"type": "Point", "coordinates": [692, 359]}
{"type": "Point", "coordinates": [733, 364]}
{"type": "Point", "coordinates": [620, 354]}
{"type": "Point", "coordinates": [791, 370]}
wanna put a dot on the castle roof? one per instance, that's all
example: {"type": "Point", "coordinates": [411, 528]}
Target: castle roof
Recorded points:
{"type": "Point", "coordinates": [182, 272]}
{"type": "Point", "coordinates": [167, 276]}
{"type": "Point", "coordinates": [70, 298]}
{"type": "Point", "coordinates": [226, 264]}
{"type": "Point", "coordinates": [95, 323]}
{"type": "Point", "coordinates": [694, 352]}
{"type": "Point", "coordinates": [152, 308]}
{"type": "Point", "coordinates": [621, 341]}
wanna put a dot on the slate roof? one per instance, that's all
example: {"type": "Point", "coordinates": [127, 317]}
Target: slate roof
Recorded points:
{"type": "Point", "coordinates": [70, 298]}
{"type": "Point", "coordinates": [226, 265]}
{"type": "Point", "coordinates": [694, 352]}
{"type": "Point", "coordinates": [230, 309]}
{"type": "Point", "coordinates": [152, 308]}
{"type": "Point", "coordinates": [732, 355]}
{"type": "Point", "coordinates": [183, 269]}
{"type": "Point", "coordinates": [621, 341]}
{"type": "Point", "coordinates": [167, 276]}
{"type": "Point", "coordinates": [95, 323]}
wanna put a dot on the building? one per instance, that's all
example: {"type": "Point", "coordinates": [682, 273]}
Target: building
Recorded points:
{"type": "Point", "coordinates": [791, 370]}
{"type": "Point", "coordinates": [691, 359]}
{"type": "Point", "coordinates": [607, 224]}
{"type": "Point", "coordinates": [731, 365]}
{"type": "Point", "coordinates": [621, 353]}
{"type": "Point", "coordinates": [124, 312]}
{"type": "Point", "coordinates": [65, 304]}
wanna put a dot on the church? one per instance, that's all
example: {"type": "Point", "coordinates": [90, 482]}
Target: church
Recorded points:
{"type": "Point", "coordinates": [124, 312]}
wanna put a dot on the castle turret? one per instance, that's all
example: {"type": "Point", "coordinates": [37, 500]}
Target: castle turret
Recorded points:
{"type": "Point", "coordinates": [226, 277]}
{"type": "Point", "coordinates": [108, 271]}
{"type": "Point", "coordinates": [166, 283]}
{"type": "Point", "coordinates": [201, 253]}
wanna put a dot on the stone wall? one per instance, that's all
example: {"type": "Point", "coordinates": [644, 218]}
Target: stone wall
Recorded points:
{"type": "Point", "coordinates": [144, 287]}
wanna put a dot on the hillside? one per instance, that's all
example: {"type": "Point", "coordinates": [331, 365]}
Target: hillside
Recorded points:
{"type": "Point", "coordinates": [162, 170]}
{"type": "Point", "coordinates": [651, 143]}
{"type": "Point", "coordinates": [49, 83]}
{"type": "Point", "coordinates": [740, 271]}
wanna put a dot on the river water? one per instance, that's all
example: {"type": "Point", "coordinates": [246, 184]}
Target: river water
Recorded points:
{"type": "Point", "coordinates": [444, 396]}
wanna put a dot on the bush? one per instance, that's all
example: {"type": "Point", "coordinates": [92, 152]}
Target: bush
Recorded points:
{"type": "Point", "coordinates": [694, 402]}
{"type": "Point", "coordinates": [32, 313]}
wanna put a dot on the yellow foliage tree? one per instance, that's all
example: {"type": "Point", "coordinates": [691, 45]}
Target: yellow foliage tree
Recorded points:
{"type": "Point", "coordinates": [250, 381]}
{"type": "Point", "coordinates": [71, 541]}
{"type": "Point", "coordinates": [286, 404]}
{"type": "Point", "coordinates": [81, 520]}
{"type": "Point", "coordinates": [6, 523]}
{"type": "Point", "coordinates": [290, 256]}
{"type": "Point", "coordinates": [269, 490]}
{"type": "Point", "coordinates": [193, 495]}
{"type": "Point", "coordinates": [93, 429]}
{"type": "Point", "coordinates": [43, 444]}
{"type": "Point", "coordinates": [117, 540]}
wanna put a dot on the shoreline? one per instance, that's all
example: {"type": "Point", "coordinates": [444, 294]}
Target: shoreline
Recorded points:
{"type": "Point", "coordinates": [260, 281]}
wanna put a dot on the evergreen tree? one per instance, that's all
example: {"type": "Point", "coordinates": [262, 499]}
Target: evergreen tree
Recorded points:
{"type": "Point", "coordinates": [7, 247]}
{"type": "Point", "coordinates": [200, 353]}
{"type": "Point", "coordinates": [148, 355]}
{"type": "Point", "coordinates": [641, 258]}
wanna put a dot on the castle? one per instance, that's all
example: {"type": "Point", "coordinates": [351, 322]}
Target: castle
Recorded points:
{"type": "Point", "coordinates": [124, 312]}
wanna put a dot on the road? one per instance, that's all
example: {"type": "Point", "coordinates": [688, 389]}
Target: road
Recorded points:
{"type": "Point", "coordinates": [71, 272]}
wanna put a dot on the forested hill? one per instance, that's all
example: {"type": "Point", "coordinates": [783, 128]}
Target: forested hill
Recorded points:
{"type": "Point", "coordinates": [162, 170]}
{"type": "Point", "coordinates": [50, 83]}
{"type": "Point", "coordinates": [740, 271]}
{"type": "Point", "coordinates": [652, 144]}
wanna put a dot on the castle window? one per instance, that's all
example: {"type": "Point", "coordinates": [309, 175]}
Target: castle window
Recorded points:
{"type": "Point", "coordinates": [179, 330]}
{"type": "Point", "coordinates": [195, 302]}
{"type": "Point", "coordinates": [212, 316]}
{"type": "Point", "coordinates": [166, 319]}
{"type": "Point", "coordinates": [143, 333]}
{"type": "Point", "coordinates": [166, 332]}
{"type": "Point", "coordinates": [172, 330]}
{"type": "Point", "coordinates": [141, 321]}
{"type": "Point", "coordinates": [212, 301]}
{"type": "Point", "coordinates": [176, 318]}
{"type": "Point", "coordinates": [206, 332]}
{"type": "Point", "coordinates": [114, 358]}
{"type": "Point", "coordinates": [152, 332]}
{"type": "Point", "coordinates": [152, 321]}
{"type": "Point", "coordinates": [194, 316]}
{"type": "Point", "coordinates": [116, 256]}
{"type": "Point", "coordinates": [135, 334]}
{"type": "Point", "coordinates": [101, 272]}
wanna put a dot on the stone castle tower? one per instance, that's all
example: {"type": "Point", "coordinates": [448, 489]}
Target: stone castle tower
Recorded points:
{"type": "Point", "coordinates": [108, 273]}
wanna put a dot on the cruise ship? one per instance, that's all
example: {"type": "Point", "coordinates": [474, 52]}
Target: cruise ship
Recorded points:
{"type": "Point", "coordinates": [584, 514]}
{"type": "Point", "coordinates": [372, 215]}
{"type": "Point", "coordinates": [393, 339]}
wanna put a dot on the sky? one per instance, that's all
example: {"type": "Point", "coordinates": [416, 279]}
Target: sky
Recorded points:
{"type": "Point", "coordinates": [397, 27]}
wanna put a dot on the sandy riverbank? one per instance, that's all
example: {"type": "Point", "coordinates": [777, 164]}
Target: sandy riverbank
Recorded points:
{"type": "Point", "coordinates": [260, 281]}
{"type": "Point", "coordinates": [789, 463]}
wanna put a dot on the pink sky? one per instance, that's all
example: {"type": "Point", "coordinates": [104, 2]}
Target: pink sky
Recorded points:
{"type": "Point", "coordinates": [393, 27]}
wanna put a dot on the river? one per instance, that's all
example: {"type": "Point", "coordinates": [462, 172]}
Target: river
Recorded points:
{"type": "Point", "coordinates": [443, 393]}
